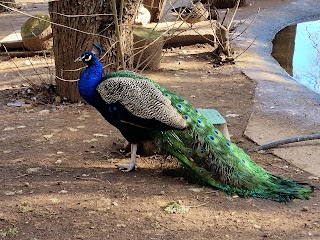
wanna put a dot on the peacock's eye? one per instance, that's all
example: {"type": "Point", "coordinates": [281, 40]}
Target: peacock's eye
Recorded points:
{"type": "Point", "coordinates": [87, 58]}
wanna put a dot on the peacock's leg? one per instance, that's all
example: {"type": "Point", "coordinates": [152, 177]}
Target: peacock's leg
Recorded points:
{"type": "Point", "coordinates": [132, 164]}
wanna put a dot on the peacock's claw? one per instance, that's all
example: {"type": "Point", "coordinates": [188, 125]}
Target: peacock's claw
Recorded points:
{"type": "Point", "coordinates": [127, 167]}
{"type": "Point", "coordinates": [132, 164]}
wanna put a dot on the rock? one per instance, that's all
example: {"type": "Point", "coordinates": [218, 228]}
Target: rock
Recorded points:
{"type": "Point", "coordinates": [179, 202]}
{"type": "Point", "coordinates": [33, 170]}
{"type": "Point", "coordinates": [44, 112]}
{"type": "Point", "coordinates": [26, 184]}
{"type": "Point", "coordinates": [9, 193]}
{"type": "Point", "coordinates": [256, 226]}
{"type": "Point", "coordinates": [115, 204]}
{"type": "Point", "coordinates": [58, 161]}
{"type": "Point", "coordinates": [48, 136]}
{"type": "Point", "coordinates": [121, 225]}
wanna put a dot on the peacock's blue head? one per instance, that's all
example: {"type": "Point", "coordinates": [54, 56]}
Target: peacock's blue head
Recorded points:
{"type": "Point", "coordinates": [87, 57]}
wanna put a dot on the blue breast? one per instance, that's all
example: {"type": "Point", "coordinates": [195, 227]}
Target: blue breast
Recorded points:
{"type": "Point", "coordinates": [89, 80]}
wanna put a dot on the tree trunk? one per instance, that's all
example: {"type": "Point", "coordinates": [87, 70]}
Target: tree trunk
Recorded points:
{"type": "Point", "coordinates": [77, 24]}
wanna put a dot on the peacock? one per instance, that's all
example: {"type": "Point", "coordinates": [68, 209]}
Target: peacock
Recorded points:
{"type": "Point", "coordinates": [143, 110]}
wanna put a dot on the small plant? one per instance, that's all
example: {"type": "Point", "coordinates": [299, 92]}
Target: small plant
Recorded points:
{"type": "Point", "coordinates": [11, 232]}
{"type": "Point", "coordinates": [25, 207]}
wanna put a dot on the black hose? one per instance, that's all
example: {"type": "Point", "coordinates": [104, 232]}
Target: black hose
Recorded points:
{"type": "Point", "coordinates": [286, 141]}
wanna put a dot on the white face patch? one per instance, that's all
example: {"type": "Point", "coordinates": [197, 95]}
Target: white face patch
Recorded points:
{"type": "Point", "coordinates": [87, 58]}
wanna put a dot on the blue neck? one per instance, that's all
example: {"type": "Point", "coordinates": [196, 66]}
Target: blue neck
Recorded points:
{"type": "Point", "coordinates": [89, 80]}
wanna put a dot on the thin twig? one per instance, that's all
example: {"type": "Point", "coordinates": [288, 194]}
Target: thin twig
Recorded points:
{"type": "Point", "coordinates": [246, 49]}
{"type": "Point", "coordinates": [234, 14]}
{"type": "Point", "coordinates": [225, 15]}
{"type": "Point", "coordinates": [250, 24]}
{"type": "Point", "coordinates": [196, 206]}
{"type": "Point", "coordinates": [20, 176]}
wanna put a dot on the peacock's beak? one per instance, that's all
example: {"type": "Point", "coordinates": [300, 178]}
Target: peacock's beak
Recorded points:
{"type": "Point", "coordinates": [79, 59]}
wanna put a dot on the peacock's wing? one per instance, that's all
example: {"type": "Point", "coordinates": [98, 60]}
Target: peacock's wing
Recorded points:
{"type": "Point", "coordinates": [142, 99]}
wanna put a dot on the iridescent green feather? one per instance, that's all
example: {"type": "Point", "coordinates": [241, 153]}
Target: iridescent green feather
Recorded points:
{"type": "Point", "coordinates": [204, 151]}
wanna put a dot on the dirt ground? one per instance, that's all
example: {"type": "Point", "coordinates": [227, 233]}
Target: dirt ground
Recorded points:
{"type": "Point", "coordinates": [59, 178]}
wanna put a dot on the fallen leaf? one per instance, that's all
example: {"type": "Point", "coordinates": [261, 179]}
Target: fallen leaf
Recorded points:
{"type": "Point", "coordinates": [8, 129]}
{"type": "Point", "coordinates": [72, 129]}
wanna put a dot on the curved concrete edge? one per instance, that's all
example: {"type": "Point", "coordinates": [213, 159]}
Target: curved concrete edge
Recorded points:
{"type": "Point", "coordinates": [283, 108]}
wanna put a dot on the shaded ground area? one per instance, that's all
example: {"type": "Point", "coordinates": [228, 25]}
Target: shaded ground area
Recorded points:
{"type": "Point", "coordinates": [59, 179]}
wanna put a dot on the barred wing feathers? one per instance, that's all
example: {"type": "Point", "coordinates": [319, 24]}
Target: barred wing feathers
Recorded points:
{"type": "Point", "coordinates": [142, 99]}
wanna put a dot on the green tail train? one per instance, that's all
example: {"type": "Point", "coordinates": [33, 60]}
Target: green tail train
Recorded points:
{"type": "Point", "coordinates": [205, 152]}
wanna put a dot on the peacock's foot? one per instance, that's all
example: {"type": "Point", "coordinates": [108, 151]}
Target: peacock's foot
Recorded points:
{"type": "Point", "coordinates": [132, 164]}
{"type": "Point", "coordinates": [127, 167]}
